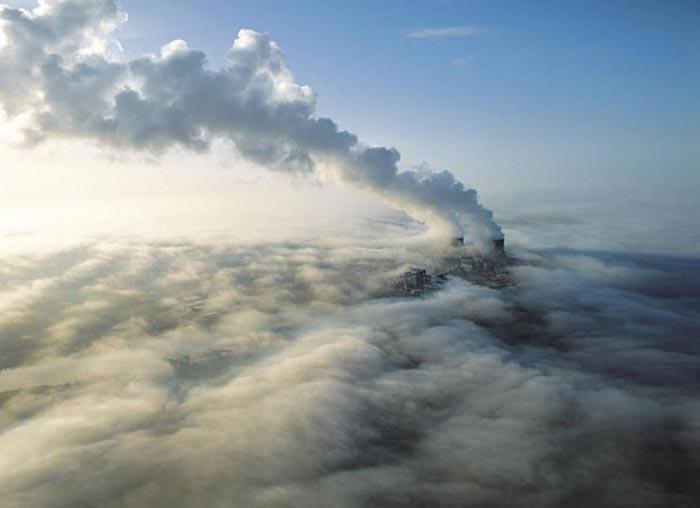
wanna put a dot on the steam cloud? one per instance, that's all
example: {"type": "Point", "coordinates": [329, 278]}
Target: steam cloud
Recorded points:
{"type": "Point", "coordinates": [62, 70]}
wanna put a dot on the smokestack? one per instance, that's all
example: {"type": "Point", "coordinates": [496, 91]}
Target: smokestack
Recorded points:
{"type": "Point", "coordinates": [499, 245]}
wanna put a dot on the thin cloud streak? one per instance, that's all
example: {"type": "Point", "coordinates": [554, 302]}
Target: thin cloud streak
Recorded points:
{"type": "Point", "coordinates": [450, 31]}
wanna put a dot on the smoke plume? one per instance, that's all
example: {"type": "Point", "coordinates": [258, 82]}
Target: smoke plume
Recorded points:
{"type": "Point", "coordinates": [62, 72]}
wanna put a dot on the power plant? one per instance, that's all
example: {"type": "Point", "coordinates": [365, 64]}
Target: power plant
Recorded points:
{"type": "Point", "coordinates": [499, 244]}
{"type": "Point", "coordinates": [489, 270]}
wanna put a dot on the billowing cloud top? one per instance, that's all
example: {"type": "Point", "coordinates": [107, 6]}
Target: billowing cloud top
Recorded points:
{"type": "Point", "coordinates": [62, 72]}
{"type": "Point", "coordinates": [179, 374]}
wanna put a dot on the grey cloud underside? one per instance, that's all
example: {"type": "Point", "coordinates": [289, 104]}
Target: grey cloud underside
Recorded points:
{"type": "Point", "coordinates": [157, 102]}
{"type": "Point", "coordinates": [186, 375]}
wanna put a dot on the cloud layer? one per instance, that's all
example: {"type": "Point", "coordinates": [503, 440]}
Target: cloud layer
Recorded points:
{"type": "Point", "coordinates": [64, 76]}
{"type": "Point", "coordinates": [171, 373]}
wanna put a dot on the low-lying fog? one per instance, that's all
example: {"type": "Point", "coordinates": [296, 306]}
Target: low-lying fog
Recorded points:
{"type": "Point", "coordinates": [229, 362]}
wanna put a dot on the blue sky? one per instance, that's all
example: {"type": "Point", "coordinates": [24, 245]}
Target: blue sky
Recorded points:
{"type": "Point", "coordinates": [536, 93]}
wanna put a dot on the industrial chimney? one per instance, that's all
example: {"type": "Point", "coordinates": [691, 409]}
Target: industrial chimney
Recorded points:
{"type": "Point", "coordinates": [499, 245]}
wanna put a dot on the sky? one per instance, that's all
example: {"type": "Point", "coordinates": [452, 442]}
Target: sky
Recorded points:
{"type": "Point", "coordinates": [537, 93]}
{"type": "Point", "coordinates": [549, 101]}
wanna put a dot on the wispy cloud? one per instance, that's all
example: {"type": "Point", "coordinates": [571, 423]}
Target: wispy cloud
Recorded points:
{"type": "Point", "coordinates": [461, 63]}
{"type": "Point", "coordinates": [450, 31]}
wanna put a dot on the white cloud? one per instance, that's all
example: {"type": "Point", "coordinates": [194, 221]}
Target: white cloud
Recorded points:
{"type": "Point", "coordinates": [178, 373]}
{"type": "Point", "coordinates": [450, 31]}
{"type": "Point", "coordinates": [56, 68]}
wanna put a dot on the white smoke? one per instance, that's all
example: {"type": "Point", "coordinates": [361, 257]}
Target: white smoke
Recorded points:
{"type": "Point", "coordinates": [61, 70]}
